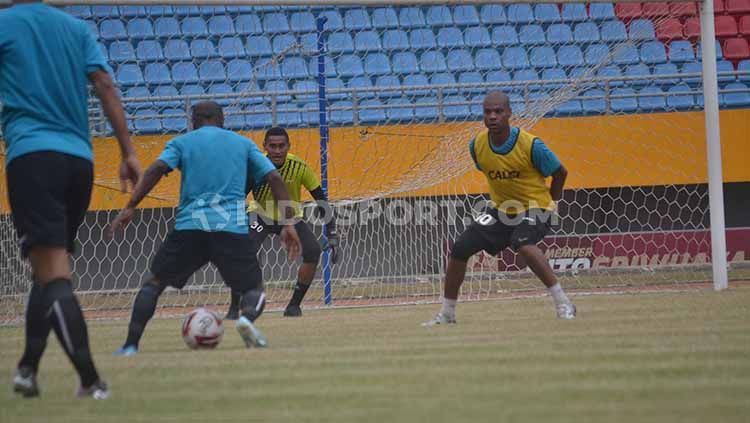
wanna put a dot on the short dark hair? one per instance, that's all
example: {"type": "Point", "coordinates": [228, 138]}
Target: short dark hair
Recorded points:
{"type": "Point", "coordinates": [276, 131]}
{"type": "Point", "coordinates": [206, 111]}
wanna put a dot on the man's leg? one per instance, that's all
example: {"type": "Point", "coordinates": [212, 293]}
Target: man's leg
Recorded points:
{"type": "Point", "coordinates": [258, 231]}
{"type": "Point", "coordinates": [144, 308]}
{"type": "Point", "coordinates": [37, 331]}
{"type": "Point", "coordinates": [311, 252]}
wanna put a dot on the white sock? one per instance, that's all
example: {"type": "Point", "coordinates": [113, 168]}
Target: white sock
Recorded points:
{"type": "Point", "coordinates": [558, 294]}
{"type": "Point", "coordinates": [449, 307]}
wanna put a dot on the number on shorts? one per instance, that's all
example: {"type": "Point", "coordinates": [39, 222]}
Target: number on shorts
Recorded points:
{"type": "Point", "coordinates": [257, 227]}
{"type": "Point", "coordinates": [485, 219]}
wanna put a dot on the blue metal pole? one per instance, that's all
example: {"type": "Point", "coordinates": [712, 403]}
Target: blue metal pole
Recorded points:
{"type": "Point", "coordinates": [323, 118]}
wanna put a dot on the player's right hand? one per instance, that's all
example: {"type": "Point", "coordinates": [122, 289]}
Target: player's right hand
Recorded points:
{"type": "Point", "coordinates": [122, 220]}
{"type": "Point", "coordinates": [291, 241]}
{"type": "Point", "coordinates": [130, 170]}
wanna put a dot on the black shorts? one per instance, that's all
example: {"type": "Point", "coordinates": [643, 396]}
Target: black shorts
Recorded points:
{"type": "Point", "coordinates": [260, 228]}
{"type": "Point", "coordinates": [184, 252]}
{"type": "Point", "coordinates": [49, 195]}
{"type": "Point", "coordinates": [493, 231]}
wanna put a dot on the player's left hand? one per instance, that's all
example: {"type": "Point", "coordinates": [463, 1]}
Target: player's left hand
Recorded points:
{"type": "Point", "coordinates": [332, 245]}
{"type": "Point", "coordinates": [122, 220]}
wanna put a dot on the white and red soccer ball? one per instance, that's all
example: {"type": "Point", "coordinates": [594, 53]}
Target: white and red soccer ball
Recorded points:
{"type": "Point", "coordinates": [202, 329]}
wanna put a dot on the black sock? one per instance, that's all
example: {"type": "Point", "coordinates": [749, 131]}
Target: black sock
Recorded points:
{"type": "Point", "coordinates": [143, 310]}
{"type": "Point", "coordinates": [299, 293]}
{"type": "Point", "coordinates": [252, 304]}
{"type": "Point", "coordinates": [66, 318]}
{"type": "Point", "coordinates": [37, 329]}
{"type": "Point", "coordinates": [235, 303]}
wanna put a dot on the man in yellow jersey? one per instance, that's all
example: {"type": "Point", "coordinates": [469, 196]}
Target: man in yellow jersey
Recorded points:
{"type": "Point", "coordinates": [515, 164]}
{"type": "Point", "coordinates": [296, 174]}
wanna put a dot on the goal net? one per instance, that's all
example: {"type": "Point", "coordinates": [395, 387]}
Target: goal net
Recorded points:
{"type": "Point", "coordinates": [613, 89]}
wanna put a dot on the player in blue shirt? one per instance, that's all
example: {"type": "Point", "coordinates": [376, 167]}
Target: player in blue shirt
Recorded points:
{"type": "Point", "coordinates": [47, 58]}
{"type": "Point", "coordinates": [211, 224]}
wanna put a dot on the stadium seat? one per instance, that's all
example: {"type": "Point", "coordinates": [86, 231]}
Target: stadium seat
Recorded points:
{"type": "Point", "coordinates": [79, 11]}
{"type": "Point", "coordinates": [626, 103]}
{"type": "Point", "coordinates": [280, 43]}
{"type": "Point", "coordinates": [641, 29]}
{"type": "Point", "coordinates": [433, 61]}
{"type": "Point", "coordinates": [593, 102]}
{"type": "Point", "coordinates": [259, 116]}
{"type": "Point", "coordinates": [744, 66]}
{"type": "Point", "coordinates": [681, 51]}
{"type": "Point", "coordinates": [350, 65]}
{"type": "Point", "coordinates": [595, 54]}
{"type": "Point", "coordinates": [726, 26]}
{"type": "Point", "coordinates": [294, 68]}
{"type": "Point", "coordinates": [459, 61]}
{"type": "Point", "coordinates": [121, 51]}
{"type": "Point", "coordinates": [248, 25]}
{"type": "Point", "coordinates": [439, 16]}
{"type": "Point", "coordinates": [201, 49]}
{"type": "Point", "coordinates": [239, 70]}
{"type": "Point", "coordinates": [613, 31]}
{"type": "Point", "coordinates": [366, 41]}
{"type": "Point", "coordinates": [174, 120]}
{"type": "Point", "coordinates": [186, 11]}
{"type": "Point", "coordinates": [515, 58]}
{"type": "Point", "coordinates": [371, 111]}
{"type": "Point", "coordinates": [550, 74]}
{"type": "Point", "coordinates": [653, 52]}
{"type": "Point", "coordinates": [611, 71]}
{"type": "Point", "coordinates": [362, 82]}
{"type": "Point", "coordinates": [601, 11]}
{"type": "Point", "coordinates": [400, 109]}
{"type": "Point", "coordinates": [404, 62]}
{"type": "Point", "coordinates": [247, 89]}
{"type": "Point", "coordinates": [669, 29]}
{"type": "Point", "coordinates": [488, 59]}
{"type": "Point", "coordinates": [411, 17]}
{"type": "Point", "coordinates": [546, 13]}
{"type": "Point", "coordinates": [692, 28]}
{"type": "Point", "coordinates": [388, 81]}
{"type": "Point", "coordinates": [586, 32]}
{"type": "Point", "coordinates": [492, 14]}
{"type": "Point", "coordinates": [465, 15]}
{"type": "Point", "coordinates": [147, 125]}
{"type": "Point", "coordinates": [444, 78]}
{"type": "Point", "coordinates": [451, 37]}
{"type": "Point", "coordinates": [129, 74]}
{"type": "Point", "coordinates": [194, 26]}
{"type": "Point", "coordinates": [234, 120]}
{"type": "Point", "coordinates": [309, 112]}
{"type": "Point", "coordinates": [559, 34]}
{"type": "Point", "coordinates": [334, 21]}
{"type": "Point", "coordinates": [305, 85]}
{"type": "Point", "coordinates": [531, 35]}
{"type": "Point", "coordinates": [231, 47]}
{"type": "Point", "coordinates": [302, 22]}
{"type": "Point", "coordinates": [275, 23]}
{"type": "Point", "coordinates": [277, 86]}
{"type": "Point", "coordinates": [475, 36]}
{"type": "Point", "coordinates": [738, 7]}
{"type": "Point", "coordinates": [140, 28]}
{"type": "Point", "coordinates": [571, 107]}
{"type": "Point", "coordinates": [654, 102]}
{"type": "Point", "coordinates": [167, 27]}
{"type": "Point", "coordinates": [744, 26]}
{"type": "Point", "coordinates": [330, 67]}
{"type": "Point", "coordinates": [182, 73]}
{"type": "Point", "coordinates": [384, 17]}
{"type": "Point", "coordinates": [579, 72]}
{"type": "Point", "coordinates": [543, 57]}
{"type": "Point", "coordinates": [520, 13]}
{"type": "Point", "coordinates": [340, 42]}
{"type": "Point", "coordinates": [655, 10]}
{"type": "Point", "coordinates": [455, 107]}
{"type": "Point", "coordinates": [736, 99]}
{"type": "Point", "coordinates": [498, 76]}
{"type": "Point", "coordinates": [504, 35]}
{"type": "Point", "coordinates": [528, 76]}
{"type": "Point", "coordinates": [265, 69]}
{"type": "Point", "coordinates": [157, 74]}
{"type": "Point", "coordinates": [103, 11]}
{"type": "Point", "coordinates": [736, 49]}
{"type": "Point", "coordinates": [220, 26]}
{"type": "Point", "coordinates": [159, 11]}
{"type": "Point", "coordinates": [112, 29]}
{"type": "Point", "coordinates": [628, 11]}
{"type": "Point", "coordinates": [288, 116]}
{"type": "Point", "coordinates": [137, 92]}
{"type": "Point", "coordinates": [574, 12]}
{"type": "Point", "coordinates": [680, 10]}
{"type": "Point", "coordinates": [149, 50]}
{"type": "Point", "coordinates": [666, 69]}
{"type": "Point", "coordinates": [309, 43]}
{"type": "Point", "coordinates": [570, 55]}
{"type": "Point", "coordinates": [639, 71]}
{"type": "Point", "coordinates": [680, 97]}
{"type": "Point", "coordinates": [357, 19]}
{"type": "Point", "coordinates": [422, 39]}
{"type": "Point", "coordinates": [471, 78]}
{"type": "Point", "coordinates": [725, 67]}
{"type": "Point", "coordinates": [416, 80]}
{"type": "Point", "coordinates": [166, 91]}
{"type": "Point", "coordinates": [426, 108]}
{"type": "Point", "coordinates": [177, 50]}
{"type": "Point", "coordinates": [377, 64]}
{"type": "Point", "coordinates": [699, 52]}
{"type": "Point", "coordinates": [692, 68]}
{"type": "Point", "coordinates": [626, 54]}
{"type": "Point", "coordinates": [258, 45]}
{"type": "Point", "coordinates": [395, 39]}
{"type": "Point", "coordinates": [212, 10]}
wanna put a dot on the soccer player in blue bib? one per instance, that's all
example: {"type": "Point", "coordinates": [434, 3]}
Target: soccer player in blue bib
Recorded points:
{"type": "Point", "coordinates": [46, 60]}
{"type": "Point", "coordinates": [211, 224]}
{"type": "Point", "coordinates": [516, 164]}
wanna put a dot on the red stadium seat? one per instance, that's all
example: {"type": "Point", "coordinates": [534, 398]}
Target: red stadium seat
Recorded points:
{"type": "Point", "coordinates": [738, 7]}
{"type": "Point", "coordinates": [744, 25]}
{"type": "Point", "coordinates": [726, 26]}
{"type": "Point", "coordinates": [654, 10]}
{"type": "Point", "coordinates": [669, 29]}
{"type": "Point", "coordinates": [718, 6]}
{"type": "Point", "coordinates": [628, 11]}
{"type": "Point", "coordinates": [736, 49]}
{"type": "Point", "coordinates": [683, 9]}
{"type": "Point", "coordinates": [692, 28]}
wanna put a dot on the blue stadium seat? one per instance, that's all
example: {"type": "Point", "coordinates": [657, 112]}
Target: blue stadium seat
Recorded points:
{"type": "Point", "coordinates": [493, 14]}
{"type": "Point", "coordinates": [465, 15]}
{"type": "Point", "coordinates": [451, 37]}
{"type": "Point", "coordinates": [596, 104]}
{"type": "Point", "coordinates": [613, 31]}
{"type": "Point", "coordinates": [443, 78]}
{"type": "Point", "coordinates": [680, 97]}
{"type": "Point", "coordinates": [121, 51]}
{"type": "Point", "coordinates": [334, 20]}
{"type": "Point", "coordinates": [611, 71]}
{"type": "Point", "coordinates": [174, 120]}
{"type": "Point", "coordinates": [367, 41]}
{"type": "Point", "coordinates": [699, 53]}
{"type": "Point", "coordinates": [276, 85]}
{"type": "Point", "coordinates": [743, 66]}
{"type": "Point", "coordinates": [248, 25]}
{"type": "Point", "coordinates": [571, 107]}
{"type": "Point", "coordinates": [157, 74]}
{"type": "Point", "coordinates": [140, 28]}
{"type": "Point", "coordinates": [212, 10]}
{"type": "Point", "coordinates": [736, 99]}
{"type": "Point", "coordinates": [586, 32]}
{"type": "Point", "coordinates": [245, 88]}
{"type": "Point", "coordinates": [476, 106]}
{"type": "Point", "coordinates": [177, 50]}
{"type": "Point", "coordinates": [504, 35]}
{"type": "Point", "coordinates": [580, 72]}
{"type": "Point", "coordinates": [302, 22]}
{"type": "Point", "coordinates": [433, 61]}
{"type": "Point", "coordinates": [543, 57]}
{"type": "Point", "coordinates": [626, 54]}
{"type": "Point", "coordinates": [186, 10]}
{"type": "Point", "coordinates": [404, 62]}
{"type": "Point", "coordinates": [289, 116]}
{"type": "Point", "coordinates": [653, 52]}
{"type": "Point", "coordinates": [137, 92]}
{"type": "Point", "coordinates": [459, 61]}
{"type": "Point", "coordinates": [595, 54]}
{"type": "Point", "coordinates": [395, 39]}
{"type": "Point", "coordinates": [498, 76]}
{"type": "Point", "coordinates": [400, 109]}
{"type": "Point", "coordinates": [149, 50]}
{"type": "Point", "coordinates": [341, 112]}
{"type": "Point", "coordinates": [654, 102]}
{"type": "Point", "coordinates": [666, 69]}
{"type": "Point", "coordinates": [455, 108]}
{"type": "Point", "coordinates": [129, 74]}
{"type": "Point", "coordinates": [531, 35]}
{"type": "Point", "coordinates": [384, 17]}
{"type": "Point", "coordinates": [361, 82]}
{"type": "Point", "coordinates": [309, 44]}
{"type": "Point", "coordinates": [724, 66]}
{"type": "Point", "coordinates": [183, 72]}
{"type": "Point", "coordinates": [357, 19]}
{"type": "Point", "coordinates": [239, 70]}
{"type": "Point", "coordinates": [231, 47]}
{"type": "Point", "coordinates": [132, 11]}
{"type": "Point", "coordinates": [275, 23]}
{"type": "Point", "coordinates": [550, 74]}
{"type": "Point", "coordinates": [574, 12]}
{"type": "Point", "coordinates": [475, 36]}
{"type": "Point", "coordinates": [192, 90]}
{"type": "Point", "coordinates": [167, 27]}
{"type": "Point", "coordinates": [147, 125]}
{"type": "Point", "coordinates": [112, 29]}
{"type": "Point", "coordinates": [258, 45]}
{"type": "Point", "coordinates": [411, 17]}
{"type": "Point", "coordinates": [515, 58]}
{"type": "Point", "coordinates": [294, 68]}
{"type": "Point", "coordinates": [426, 108]}
{"type": "Point", "coordinates": [422, 39]}
{"type": "Point", "coordinates": [388, 81]}
{"type": "Point", "coordinates": [330, 67]}
{"type": "Point", "coordinates": [309, 113]}
{"type": "Point", "coordinates": [306, 85]}
{"type": "Point", "coordinates": [220, 25]}
{"type": "Point", "coordinates": [471, 78]}
{"type": "Point", "coordinates": [638, 70]}
{"type": "Point", "coordinates": [559, 34]}
{"type": "Point", "coordinates": [201, 49]}
{"type": "Point", "coordinates": [377, 64]}
{"type": "Point", "coordinates": [374, 114]}
{"type": "Point", "coordinates": [627, 103]}
{"type": "Point", "coordinates": [681, 51]}
{"type": "Point", "coordinates": [266, 69]}
{"type": "Point", "coordinates": [166, 91]}
{"type": "Point", "coordinates": [155, 11]}
{"type": "Point", "coordinates": [350, 65]}
{"type": "Point", "coordinates": [79, 11]}
{"type": "Point", "coordinates": [194, 26]}
{"type": "Point", "coordinates": [570, 55]}
{"type": "Point", "coordinates": [547, 13]}
{"type": "Point", "coordinates": [340, 42]}
{"type": "Point", "coordinates": [520, 13]}
{"type": "Point", "coordinates": [602, 11]}
{"type": "Point", "coordinates": [439, 16]}
{"type": "Point", "coordinates": [104, 11]}
{"type": "Point", "coordinates": [526, 75]}
{"type": "Point", "coordinates": [259, 116]}
{"type": "Point", "coordinates": [240, 9]}
{"type": "Point", "coordinates": [642, 29]}
{"type": "Point", "coordinates": [234, 120]}
{"type": "Point", "coordinates": [415, 80]}
{"type": "Point", "coordinates": [282, 42]}
{"type": "Point", "coordinates": [487, 59]}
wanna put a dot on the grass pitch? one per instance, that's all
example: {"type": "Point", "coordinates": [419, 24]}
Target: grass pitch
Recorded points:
{"type": "Point", "coordinates": [661, 357]}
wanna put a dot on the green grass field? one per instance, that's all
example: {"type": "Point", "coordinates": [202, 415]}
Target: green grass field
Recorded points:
{"type": "Point", "coordinates": [663, 357]}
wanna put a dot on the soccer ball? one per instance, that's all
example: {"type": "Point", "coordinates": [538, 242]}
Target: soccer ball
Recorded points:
{"type": "Point", "coordinates": [202, 329]}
